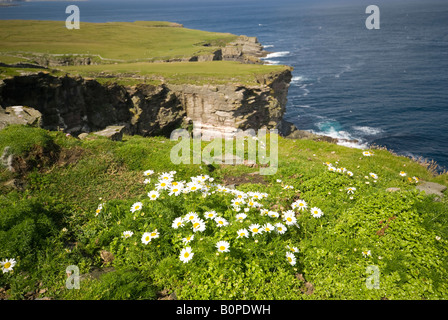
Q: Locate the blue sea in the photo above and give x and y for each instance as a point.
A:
(386, 87)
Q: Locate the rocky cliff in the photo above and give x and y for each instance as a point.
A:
(76, 105)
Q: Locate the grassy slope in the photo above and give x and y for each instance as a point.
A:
(412, 262)
(122, 41)
(126, 49)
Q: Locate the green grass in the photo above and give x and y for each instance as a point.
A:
(128, 52)
(51, 224)
(117, 41)
(218, 72)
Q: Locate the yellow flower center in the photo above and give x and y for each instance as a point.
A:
(186, 254)
(267, 229)
(196, 225)
(220, 222)
(289, 259)
(147, 238)
(175, 183)
(136, 207)
(222, 248)
(193, 188)
(242, 234)
(153, 234)
(255, 230)
(179, 224)
(7, 265)
(289, 219)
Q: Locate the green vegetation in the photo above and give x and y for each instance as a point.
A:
(73, 207)
(217, 72)
(123, 52)
(112, 41)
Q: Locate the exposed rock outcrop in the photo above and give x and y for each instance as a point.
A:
(76, 105)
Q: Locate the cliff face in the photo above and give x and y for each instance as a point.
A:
(78, 105)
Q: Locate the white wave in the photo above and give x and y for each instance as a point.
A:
(303, 106)
(268, 46)
(367, 130)
(347, 68)
(344, 138)
(296, 79)
(276, 54)
(272, 62)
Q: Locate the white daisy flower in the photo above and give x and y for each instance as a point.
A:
(146, 181)
(240, 195)
(291, 258)
(238, 202)
(316, 212)
(290, 220)
(293, 249)
(264, 212)
(280, 228)
(301, 204)
(402, 173)
(191, 216)
(242, 233)
(178, 222)
(8, 265)
(288, 187)
(331, 168)
(136, 206)
(221, 222)
(366, 253)
(167, 177)
(98, 209)
(198, 225)
(186, 255)
(127, 234)
(194, 186)
(279, 180)
(162, 185)
(273, 214)
(237, 208)
(257, 195)
(373, 175)
(223, 246)
(176, 190)
(268, 227)
(148, 173)
(188, 239)
(367, 153)
(255, 229)
(246, 209)
(153, 195)
(241, 216)
(349, 173)
(351, 190)
(210, 214)
(146, 238)
(155, 234)
(416, 179)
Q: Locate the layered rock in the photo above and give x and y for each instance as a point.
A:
(77, 105)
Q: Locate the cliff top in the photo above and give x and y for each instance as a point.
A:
(131, 51)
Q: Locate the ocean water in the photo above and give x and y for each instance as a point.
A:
(387, 87)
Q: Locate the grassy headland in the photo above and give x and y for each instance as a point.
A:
(51, 218)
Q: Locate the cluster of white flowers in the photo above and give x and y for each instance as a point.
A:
(343, 170)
